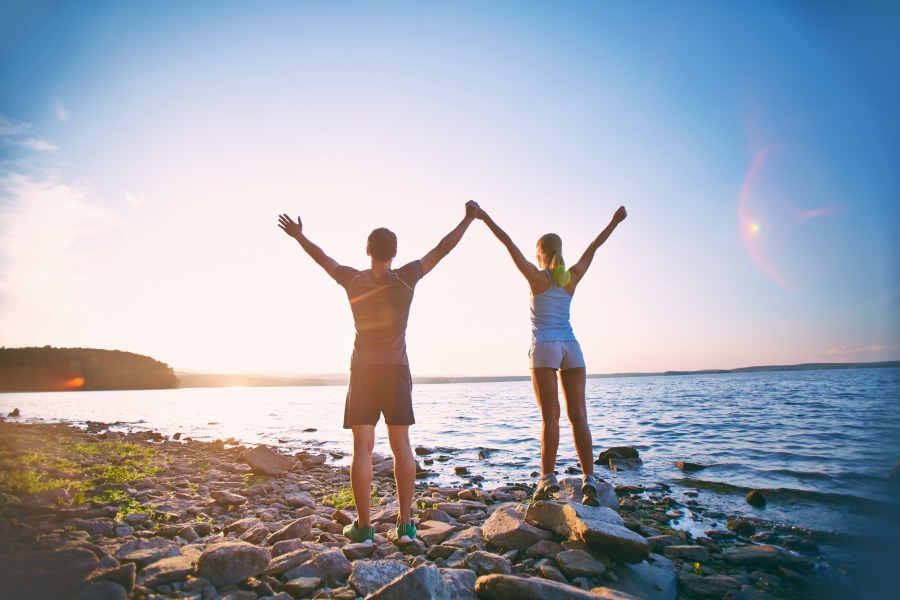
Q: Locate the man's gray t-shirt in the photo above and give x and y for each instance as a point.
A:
(380, 311)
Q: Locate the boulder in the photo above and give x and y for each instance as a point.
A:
(102, 590)
(232, 562)
(512, 587)
(467, 539)
(334, 565)
(688, 553)
(434, 532)
(146, 551)
(570, 491)
(597, 526)
(424, 581)
(165, 570)
(714, 586)
(616, 452)
(643, 580)
(287, 561)
(54, 574)
(461, 582)
(487, 563)
(369, 576)
(296, 529)
(578, 563)
(765, 556)
(506, 528)
(264, 461)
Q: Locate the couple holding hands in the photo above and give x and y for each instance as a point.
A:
(380, 380)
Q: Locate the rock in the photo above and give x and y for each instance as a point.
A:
(512, 587)
(124, 575)
(357, 551)
(544, 549)
(625, 464)
(286, 562)
(226, 498)
(424, 581)
(165, 570)
(507, 528)
(461, 582)
(570, 491)
(792, 542)
(647, 581)
(748, 592)
(434, 514)
(264, 461)
(755, 498)
(241, 525)
(300, 499)
(551, 571)
(616, 452)
(434, 532)
(369, 576)
(467, 539)
(334, 565)
(578, 563)
(53, 574)
(232, 562)
(144, 552)
(689, 466)
(461, 470)
(286, 546)
(102, 590)
(255, 535)
(598, 527)
(296, 529)
(714, 586)
(765, 556)
(659, 542)
(420, 451)
(307, 569)
(741, 526)
(687, 553)
(15, 413)
(301, 586)
(486, 563)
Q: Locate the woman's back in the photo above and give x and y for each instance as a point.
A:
(550, 315)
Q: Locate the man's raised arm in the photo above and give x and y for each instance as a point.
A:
(434, 256)
(295, 230)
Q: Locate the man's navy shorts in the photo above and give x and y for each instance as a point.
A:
(377, 389)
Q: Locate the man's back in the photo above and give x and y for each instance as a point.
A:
(380, 311)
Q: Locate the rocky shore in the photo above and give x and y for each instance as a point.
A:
(98, 514)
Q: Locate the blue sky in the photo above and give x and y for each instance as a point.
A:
(148, 147)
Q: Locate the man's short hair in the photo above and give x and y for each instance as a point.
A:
(382, 244)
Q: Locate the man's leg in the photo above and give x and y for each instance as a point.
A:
(361, 471)
(404, 468)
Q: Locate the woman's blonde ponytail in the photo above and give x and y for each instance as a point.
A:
(551, 245)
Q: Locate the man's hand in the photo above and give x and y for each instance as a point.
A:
(472, 209)
(620, 214)
(289, 227)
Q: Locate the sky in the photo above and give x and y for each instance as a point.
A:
(147, 148)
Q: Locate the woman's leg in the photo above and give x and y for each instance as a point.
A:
(546, 392)
(573, 382)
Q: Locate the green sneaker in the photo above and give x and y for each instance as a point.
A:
(406, 532)
(360, 535)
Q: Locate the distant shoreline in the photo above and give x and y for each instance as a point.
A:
(191, 379)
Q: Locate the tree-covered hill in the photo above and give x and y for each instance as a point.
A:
(51, 369)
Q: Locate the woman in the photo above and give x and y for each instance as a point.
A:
(554, 348)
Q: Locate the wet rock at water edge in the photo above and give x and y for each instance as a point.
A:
(755, 498)
(617, 452)
(689, 466)
(15, 413)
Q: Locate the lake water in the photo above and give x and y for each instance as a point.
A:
(820, 444)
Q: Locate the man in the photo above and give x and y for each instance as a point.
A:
(380, 380)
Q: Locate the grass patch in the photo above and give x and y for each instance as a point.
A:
(251, 479)
(125, 504)
(22, 482)
(343, 498)
(118, 462)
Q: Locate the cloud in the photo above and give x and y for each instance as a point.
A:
(874, 348)
(62, 113)
(9, 127)
(40, 145)
(135, 201)
(43, 229)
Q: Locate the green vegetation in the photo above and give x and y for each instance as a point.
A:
(255, 479)
(343, 498)
(126, 505)
(51, 369)
(117, 462)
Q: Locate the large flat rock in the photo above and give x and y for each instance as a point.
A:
(598, 526)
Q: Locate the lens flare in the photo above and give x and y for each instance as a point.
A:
(785, 192)
(75, 383)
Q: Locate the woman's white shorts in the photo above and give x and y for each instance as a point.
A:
(556, 355)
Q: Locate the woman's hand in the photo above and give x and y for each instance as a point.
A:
(289, 227)
(472, 209)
